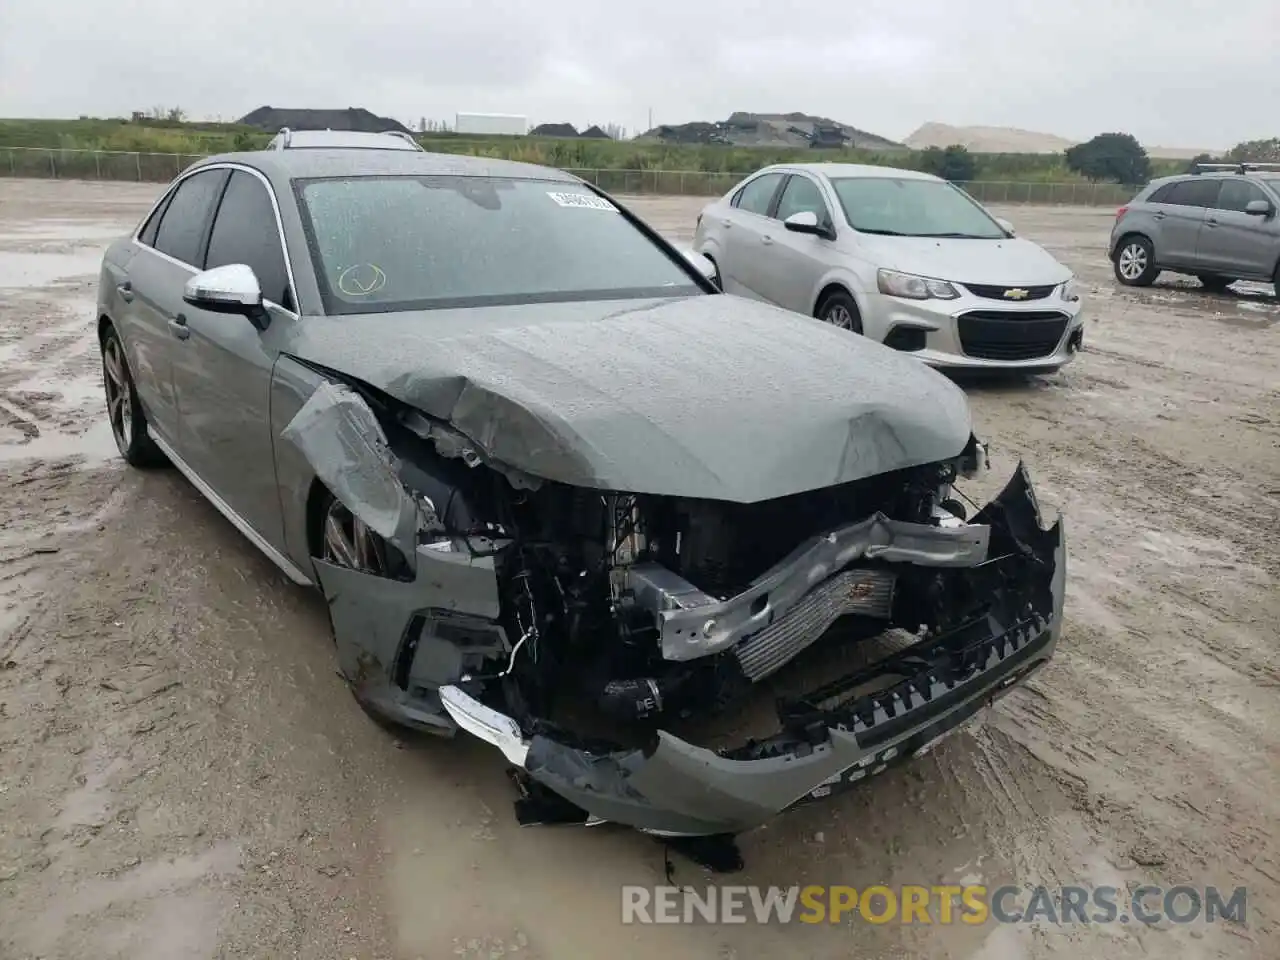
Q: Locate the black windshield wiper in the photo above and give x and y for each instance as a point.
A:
(882, 233)
(956, 236)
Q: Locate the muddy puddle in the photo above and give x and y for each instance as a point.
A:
(74, 231)
(51, 395)
(19, 270)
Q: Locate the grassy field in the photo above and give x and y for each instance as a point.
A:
(163, 137)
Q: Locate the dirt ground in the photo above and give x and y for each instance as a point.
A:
(182, 774)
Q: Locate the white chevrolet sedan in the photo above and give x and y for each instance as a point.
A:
(901, 257)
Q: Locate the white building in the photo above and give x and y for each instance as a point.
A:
(505, 123)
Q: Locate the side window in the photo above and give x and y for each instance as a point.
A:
(182, 226)
(245, 231)
(1162, 195)
(755, 196)
(147, 234)
(1200, 192)
(1238, 194)
(801, 194)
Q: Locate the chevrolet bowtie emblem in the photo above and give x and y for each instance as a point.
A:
(1016, 293)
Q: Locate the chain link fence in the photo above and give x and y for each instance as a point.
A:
(47, 163)
(705, 183)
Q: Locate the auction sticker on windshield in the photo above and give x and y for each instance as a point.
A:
(584, 201)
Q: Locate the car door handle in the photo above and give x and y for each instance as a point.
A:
(726, 224)
(126, 291)
(766, 240)
(1158, 216)
(178, 327)
(1211, 222)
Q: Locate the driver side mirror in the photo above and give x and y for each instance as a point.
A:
(806, 221)
(1259, 208)
(1006, 226)
(230, 289)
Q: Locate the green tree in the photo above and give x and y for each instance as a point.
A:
(1259, 151)
(955, 163)
(1111, 156)
(1198, 159)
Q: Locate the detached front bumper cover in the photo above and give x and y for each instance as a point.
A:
(827, 742)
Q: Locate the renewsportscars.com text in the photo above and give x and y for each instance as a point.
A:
(973, 904)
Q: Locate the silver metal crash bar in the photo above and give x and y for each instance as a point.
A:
(486, 723)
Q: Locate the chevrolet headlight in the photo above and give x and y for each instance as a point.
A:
(1071, 291)
(910, 287)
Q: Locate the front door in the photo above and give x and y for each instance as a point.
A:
(1233, 242)
(222, 368)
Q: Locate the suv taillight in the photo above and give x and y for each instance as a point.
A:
(1121, 212)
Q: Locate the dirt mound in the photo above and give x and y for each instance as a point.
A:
(1014, 140)
(797, 130)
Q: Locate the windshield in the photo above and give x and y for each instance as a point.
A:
(381, 244)
(912, 208)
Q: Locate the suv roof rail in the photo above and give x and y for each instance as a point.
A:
(1243, 167)
(284, 139)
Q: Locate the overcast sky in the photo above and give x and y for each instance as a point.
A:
(1182, 73)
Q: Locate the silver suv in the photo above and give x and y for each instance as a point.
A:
(1218, 223)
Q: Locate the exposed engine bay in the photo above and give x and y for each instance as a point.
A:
(570, 626)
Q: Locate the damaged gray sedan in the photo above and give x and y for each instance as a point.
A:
(560, 492)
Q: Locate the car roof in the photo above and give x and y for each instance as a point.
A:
(281, 166)
(844, 170)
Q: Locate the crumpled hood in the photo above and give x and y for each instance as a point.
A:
(712, 397)
(1015, 261)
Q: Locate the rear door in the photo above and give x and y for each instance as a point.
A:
(169, 247)
(222, 369)
(1234, 243)
(745, 224)
(1182, 214)
(793, 263)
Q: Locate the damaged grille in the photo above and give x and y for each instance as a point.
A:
(868, 592)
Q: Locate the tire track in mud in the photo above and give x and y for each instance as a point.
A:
(1172, 584)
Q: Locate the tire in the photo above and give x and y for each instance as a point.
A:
(1213, 283)
(1275, 281)
(839, 309)
(351, 544)
(1135, 262)
(124, 412)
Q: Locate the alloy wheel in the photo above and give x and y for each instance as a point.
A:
(348, 542)
(119, 398)
(838, 315)
(1133, 261)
